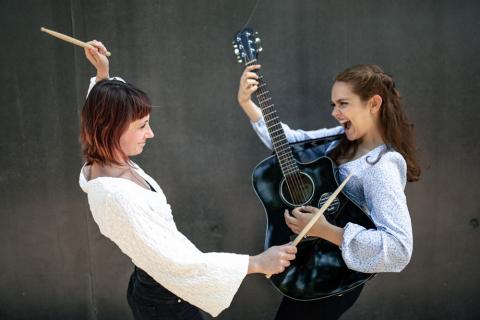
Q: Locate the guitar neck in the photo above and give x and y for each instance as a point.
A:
(277, 135)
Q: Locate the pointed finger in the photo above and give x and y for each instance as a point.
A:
(253, 67)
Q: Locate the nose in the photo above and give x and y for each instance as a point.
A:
(335, 112)
(150, 134)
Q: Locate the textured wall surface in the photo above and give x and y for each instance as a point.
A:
(54, 262)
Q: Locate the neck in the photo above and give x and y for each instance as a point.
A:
(371, 141)
(111, 170)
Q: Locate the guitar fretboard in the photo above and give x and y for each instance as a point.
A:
(277, 135)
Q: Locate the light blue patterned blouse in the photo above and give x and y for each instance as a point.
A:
(379, 189)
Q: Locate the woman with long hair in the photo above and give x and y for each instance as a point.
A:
(378, 148)
(171, 277)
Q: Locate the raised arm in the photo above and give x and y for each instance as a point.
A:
(98, 59)
(248, 85)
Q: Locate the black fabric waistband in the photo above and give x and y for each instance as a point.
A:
(147, 289)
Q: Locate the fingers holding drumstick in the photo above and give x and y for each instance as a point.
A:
(95, 53)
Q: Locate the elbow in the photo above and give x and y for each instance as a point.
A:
(393, 258)
(399, 257)
(404, 257)
(402, 260)
(404, 252)
(387, 254)
(386, 262)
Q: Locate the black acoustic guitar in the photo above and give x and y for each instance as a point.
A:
(299, 175)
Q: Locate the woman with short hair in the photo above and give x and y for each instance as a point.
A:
(171, 278)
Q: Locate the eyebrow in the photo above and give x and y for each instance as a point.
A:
(339, 100)
(144, 122)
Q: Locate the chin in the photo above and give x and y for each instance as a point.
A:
(350, 138)
(136, 153)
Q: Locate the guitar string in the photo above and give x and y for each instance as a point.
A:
(290, 186)
(293, 178)
(291, 181)
(261, 91)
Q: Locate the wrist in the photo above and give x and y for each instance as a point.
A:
(244, 102)
(332, 233)
(100, 78)
(251, 109)
(323, 229)
(253, 265)
(102, 74)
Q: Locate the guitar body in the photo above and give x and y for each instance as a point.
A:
(318, 270)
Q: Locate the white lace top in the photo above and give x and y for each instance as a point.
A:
(379, 190)
(140, 223)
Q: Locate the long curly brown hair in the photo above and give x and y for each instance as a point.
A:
(397, 131)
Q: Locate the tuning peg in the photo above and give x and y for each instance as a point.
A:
(257, 40)
(236, 51)
(260, 49)
(239, 61)
(235, 46)
(255, 33)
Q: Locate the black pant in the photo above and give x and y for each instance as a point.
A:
(324, 309)
(150, 301)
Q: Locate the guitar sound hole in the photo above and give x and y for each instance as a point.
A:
(297, 189)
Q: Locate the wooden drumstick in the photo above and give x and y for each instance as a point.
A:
(317, 215)
(70, 39)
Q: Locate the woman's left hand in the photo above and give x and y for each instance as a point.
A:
(301, 217)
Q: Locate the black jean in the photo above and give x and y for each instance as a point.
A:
(324, 309)
(148, 300)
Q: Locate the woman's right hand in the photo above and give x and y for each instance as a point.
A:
(96, 56)
(273, 260)
(248, 84)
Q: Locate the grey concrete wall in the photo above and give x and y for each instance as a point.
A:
(55, 264)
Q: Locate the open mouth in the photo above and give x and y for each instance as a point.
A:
(346, 125)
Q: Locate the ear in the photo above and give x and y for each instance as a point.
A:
(376, 103)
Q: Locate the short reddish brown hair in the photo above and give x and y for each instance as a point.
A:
(108, 111)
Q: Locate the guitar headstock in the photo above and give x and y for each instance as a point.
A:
(246, 45)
